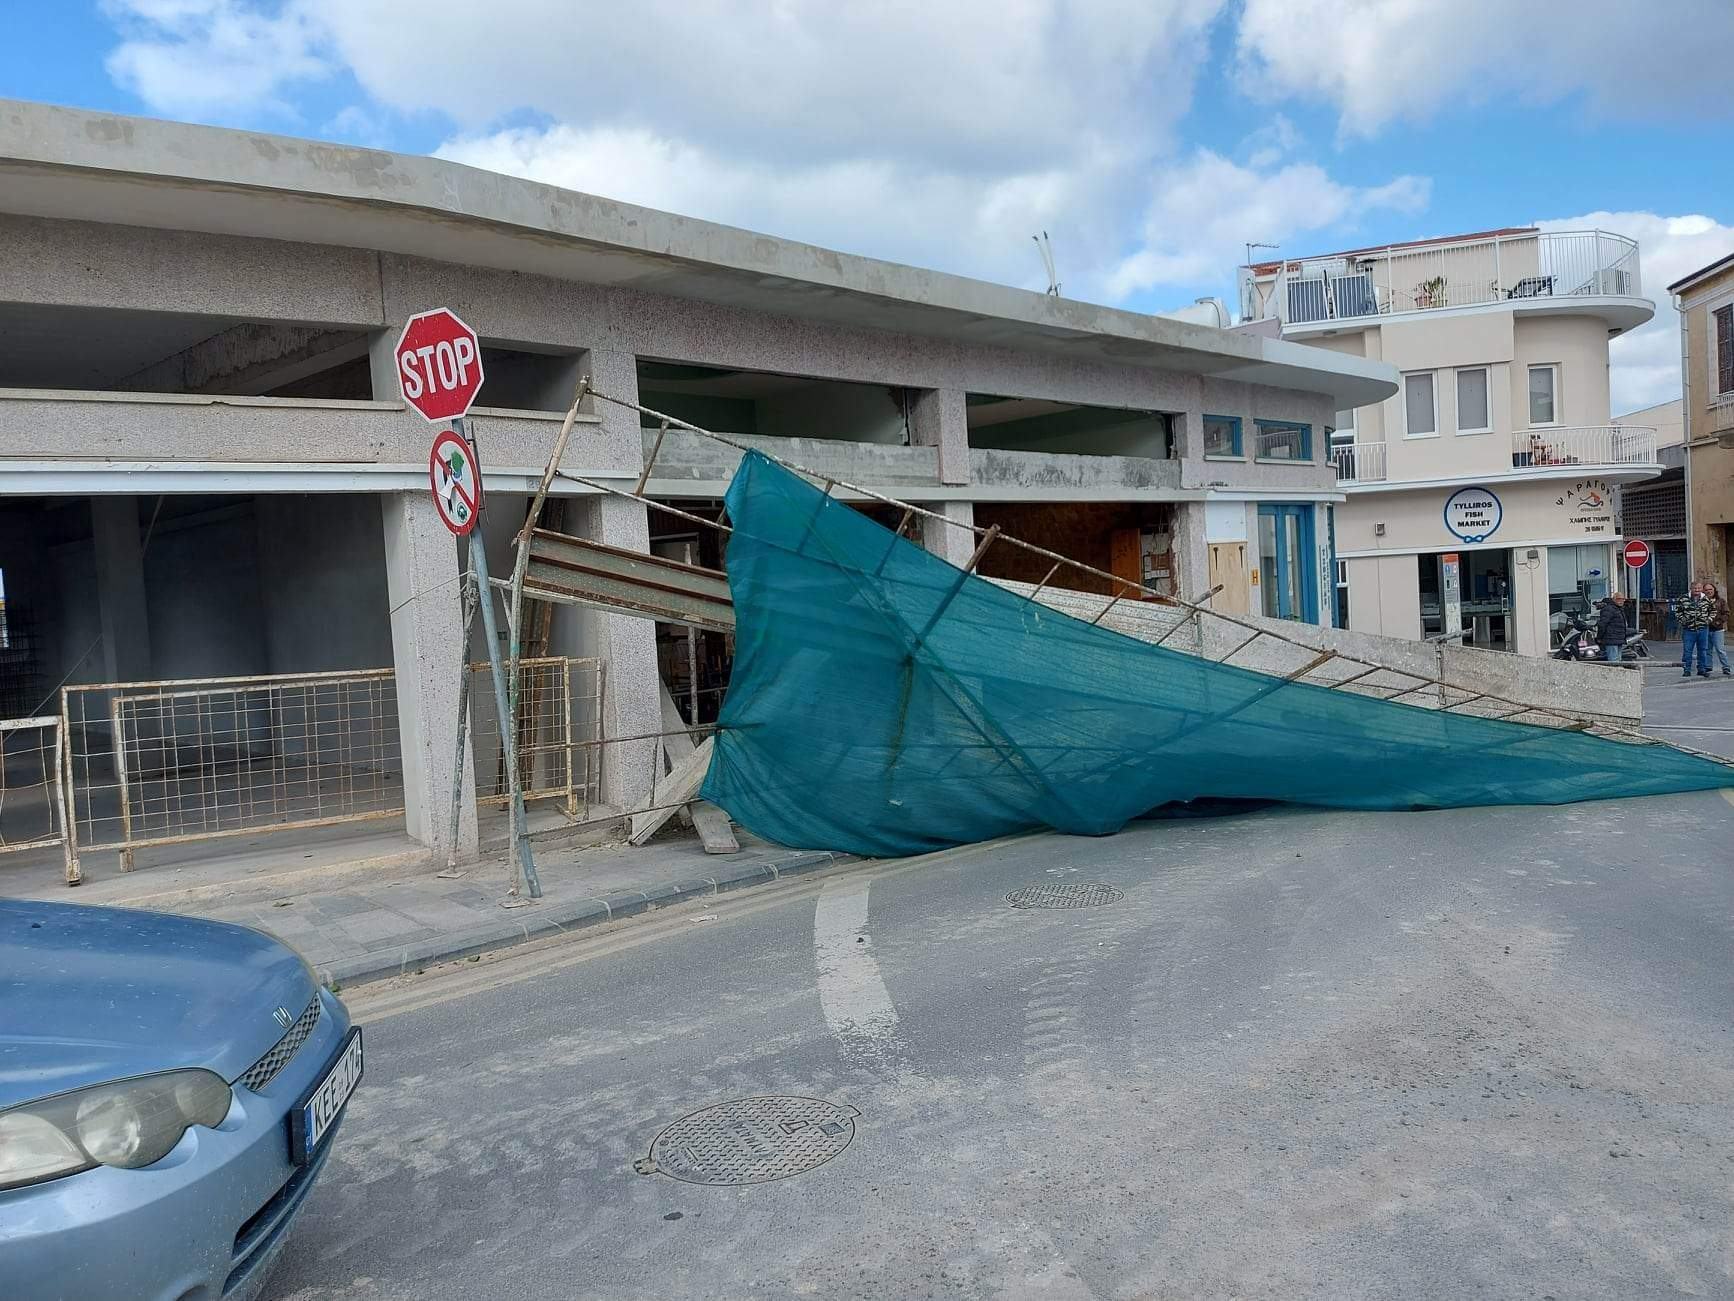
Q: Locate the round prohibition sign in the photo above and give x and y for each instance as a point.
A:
(456, 480)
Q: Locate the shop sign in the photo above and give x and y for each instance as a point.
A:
(1589, 507)
(1473, 514)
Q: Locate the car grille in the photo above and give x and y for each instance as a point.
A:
(263, 1071)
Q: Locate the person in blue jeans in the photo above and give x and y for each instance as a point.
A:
(1612, 628)
(1693, 612)
(1718, 627)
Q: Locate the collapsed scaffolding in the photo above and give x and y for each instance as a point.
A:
(556, 567)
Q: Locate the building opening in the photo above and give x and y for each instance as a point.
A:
(1485, 615)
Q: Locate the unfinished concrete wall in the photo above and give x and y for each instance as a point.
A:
(322, 578)
(859, 413)
(202, 593)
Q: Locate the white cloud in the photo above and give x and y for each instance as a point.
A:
(1644, 365)
(888, 207)
(943, 135)
(206, 58)
(1205, 210)
(1272, 142)
(1383, 60)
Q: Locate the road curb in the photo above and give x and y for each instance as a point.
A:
(539, 920)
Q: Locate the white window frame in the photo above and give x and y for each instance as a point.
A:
(1557, 402)
(1433, 377)
(1486, 398)
(1713, 377)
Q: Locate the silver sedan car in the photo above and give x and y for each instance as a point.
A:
(169, 1090)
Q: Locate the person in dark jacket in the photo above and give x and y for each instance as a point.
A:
(1611, 627)
(1718, 649)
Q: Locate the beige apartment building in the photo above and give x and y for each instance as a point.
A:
(1480, 497)
(1706, 302)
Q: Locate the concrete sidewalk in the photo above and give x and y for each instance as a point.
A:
(358, 926)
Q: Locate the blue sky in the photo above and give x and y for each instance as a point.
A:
(1151, 138)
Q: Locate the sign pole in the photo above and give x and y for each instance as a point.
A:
(522, 857)
(469, 581)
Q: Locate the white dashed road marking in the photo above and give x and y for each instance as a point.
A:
(852, 991)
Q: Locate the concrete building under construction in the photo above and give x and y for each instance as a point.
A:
(211, 485)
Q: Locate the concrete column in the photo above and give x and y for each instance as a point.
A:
(1191, 551)
(940, 419)
(617, 447)
(1188, 429)
(421, 569)
(382, 363)
(951, 544)
(1529, 592)
(626, 645)
(120, 589)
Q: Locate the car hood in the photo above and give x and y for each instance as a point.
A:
(91, 994)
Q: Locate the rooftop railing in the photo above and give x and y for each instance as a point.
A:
(1465, 273)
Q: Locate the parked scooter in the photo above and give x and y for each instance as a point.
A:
(1580, 643)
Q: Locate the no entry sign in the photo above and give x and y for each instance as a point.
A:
(439, 365)
(1637, 553)
(457, 482)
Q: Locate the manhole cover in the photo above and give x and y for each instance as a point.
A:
(751, 1141)
(1089, 895)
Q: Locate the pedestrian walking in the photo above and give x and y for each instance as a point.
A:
(1718, 630)
(1612, 628)
(1693, 612)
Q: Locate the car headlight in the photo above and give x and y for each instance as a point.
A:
(129, 1124)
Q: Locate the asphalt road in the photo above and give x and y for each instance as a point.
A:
(1460, 1054)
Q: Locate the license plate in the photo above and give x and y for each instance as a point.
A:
(309, 1122)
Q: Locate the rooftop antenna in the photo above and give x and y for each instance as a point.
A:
(1254, 245)
(1045, 246)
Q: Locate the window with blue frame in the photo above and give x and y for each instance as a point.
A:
(1222, 436)
(1284, 440)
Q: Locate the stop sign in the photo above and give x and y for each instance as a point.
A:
(439, 365)
(1637, 554)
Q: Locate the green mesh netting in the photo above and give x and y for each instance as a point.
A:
(883, 702)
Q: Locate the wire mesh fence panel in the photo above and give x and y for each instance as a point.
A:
(559, 718)
(168, 762)
(32, 797)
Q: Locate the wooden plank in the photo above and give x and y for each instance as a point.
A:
(714, 831)
(677, 788)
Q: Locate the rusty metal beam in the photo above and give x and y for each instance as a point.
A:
(576, 571)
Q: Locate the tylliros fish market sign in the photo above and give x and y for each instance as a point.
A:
(1473, 514)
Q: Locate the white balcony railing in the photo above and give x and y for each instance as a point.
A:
(1359, 462)
(1533, 449)
(1462, 273)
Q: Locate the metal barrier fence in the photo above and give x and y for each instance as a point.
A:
(140, 764)
(559, 721)
(164, 763)
(32, 789)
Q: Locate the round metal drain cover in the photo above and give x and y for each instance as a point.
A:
(1089, 895)
(752, 1140)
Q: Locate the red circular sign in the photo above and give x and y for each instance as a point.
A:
(1637, 553)
(457, 482)
(439, 365)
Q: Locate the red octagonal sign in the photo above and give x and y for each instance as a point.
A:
(439, 365)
